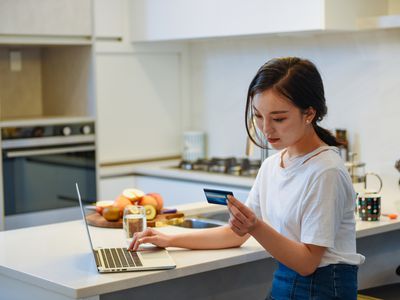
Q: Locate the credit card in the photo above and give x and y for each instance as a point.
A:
(217, 196)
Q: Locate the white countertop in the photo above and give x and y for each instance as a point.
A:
(169, 169)
(57, 257)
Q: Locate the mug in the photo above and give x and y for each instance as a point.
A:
(369, 206)
(360, 183)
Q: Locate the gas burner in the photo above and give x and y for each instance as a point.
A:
(231, 165)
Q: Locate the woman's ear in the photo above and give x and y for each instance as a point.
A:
(310, 114)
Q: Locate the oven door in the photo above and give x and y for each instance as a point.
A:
(39, 179)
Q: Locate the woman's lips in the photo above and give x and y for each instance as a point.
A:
(271, 140)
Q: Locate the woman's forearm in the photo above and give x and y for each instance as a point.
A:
(211, 238)
(295, 255)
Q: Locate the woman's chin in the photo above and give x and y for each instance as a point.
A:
(277, 146)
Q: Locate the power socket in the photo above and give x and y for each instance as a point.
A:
(15, 61)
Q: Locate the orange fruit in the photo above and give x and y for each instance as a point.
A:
(133, 194)
(148, 200)
(121, 202)
(159, 199)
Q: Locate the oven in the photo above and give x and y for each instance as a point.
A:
(40, 167)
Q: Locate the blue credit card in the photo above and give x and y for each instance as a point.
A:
(217, 196)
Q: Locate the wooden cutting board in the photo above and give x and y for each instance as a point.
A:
(95, 219)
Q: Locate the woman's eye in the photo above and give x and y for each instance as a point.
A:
(279, 120)
(257, 116)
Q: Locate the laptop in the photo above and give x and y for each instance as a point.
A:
(121, 260)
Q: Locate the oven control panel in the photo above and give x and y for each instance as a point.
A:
(62, 130)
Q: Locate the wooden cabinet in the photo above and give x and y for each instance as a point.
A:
(157, 20)
(138, 106)
(46, 17)
(50, 82)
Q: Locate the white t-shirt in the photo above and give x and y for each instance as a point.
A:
(311, 201)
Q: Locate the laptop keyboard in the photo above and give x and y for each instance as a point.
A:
(120, 258)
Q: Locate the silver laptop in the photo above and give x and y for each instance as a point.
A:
(121, 260)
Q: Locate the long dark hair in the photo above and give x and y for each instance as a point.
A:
(297, 80)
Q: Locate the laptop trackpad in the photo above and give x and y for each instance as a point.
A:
(152, 255)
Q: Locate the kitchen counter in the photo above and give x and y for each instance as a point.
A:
(169, 169)
(54, 261)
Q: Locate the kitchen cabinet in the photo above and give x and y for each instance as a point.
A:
(158, 20)
(177, 192)
(51, 18)
(111, 187)
(139, 107)
(50, 82)
(109, 19)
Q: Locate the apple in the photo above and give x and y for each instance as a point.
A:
(159, 199)
(100, 205)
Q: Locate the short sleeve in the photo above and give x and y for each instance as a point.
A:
(253, 199)
(323, 208)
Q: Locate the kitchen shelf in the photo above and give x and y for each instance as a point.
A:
(51, 81)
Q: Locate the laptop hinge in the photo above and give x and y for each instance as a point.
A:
(97, 258)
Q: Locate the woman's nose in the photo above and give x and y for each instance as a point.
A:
(267, 128)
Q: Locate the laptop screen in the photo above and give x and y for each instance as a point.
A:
(84, 215)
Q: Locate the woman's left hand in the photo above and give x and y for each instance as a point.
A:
(242, 219)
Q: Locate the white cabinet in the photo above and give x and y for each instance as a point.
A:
(138, 106)
(46, 17)
(111, 187)
(176, 192)
(109, 18)
(157, 20)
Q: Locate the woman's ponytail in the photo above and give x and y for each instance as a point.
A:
(326, 136)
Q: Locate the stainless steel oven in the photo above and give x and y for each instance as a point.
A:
(40, 167)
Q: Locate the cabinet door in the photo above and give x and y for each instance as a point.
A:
(176, 192)
(156, 20)
(110, 188)
(138, 106)
(46, 17)
(109, 18)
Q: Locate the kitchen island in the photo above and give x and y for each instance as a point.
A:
(54, 262)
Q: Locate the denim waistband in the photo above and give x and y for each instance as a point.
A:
(328, 268)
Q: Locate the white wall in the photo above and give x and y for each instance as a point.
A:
(362, 84)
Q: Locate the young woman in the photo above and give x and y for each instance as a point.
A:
(301, 207)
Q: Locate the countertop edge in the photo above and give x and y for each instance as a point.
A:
(172, 273)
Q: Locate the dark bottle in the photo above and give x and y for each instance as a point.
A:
(341, 136)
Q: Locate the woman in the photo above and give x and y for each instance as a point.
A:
(301, 207)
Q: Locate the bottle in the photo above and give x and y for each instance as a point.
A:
(341, 136)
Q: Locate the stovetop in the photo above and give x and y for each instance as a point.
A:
(230, 165)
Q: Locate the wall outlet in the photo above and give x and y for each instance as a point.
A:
(15, 61)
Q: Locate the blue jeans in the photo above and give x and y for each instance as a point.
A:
(337, 281)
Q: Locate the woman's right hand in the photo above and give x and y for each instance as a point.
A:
(152, 236)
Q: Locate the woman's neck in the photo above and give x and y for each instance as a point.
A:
(308, 143)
